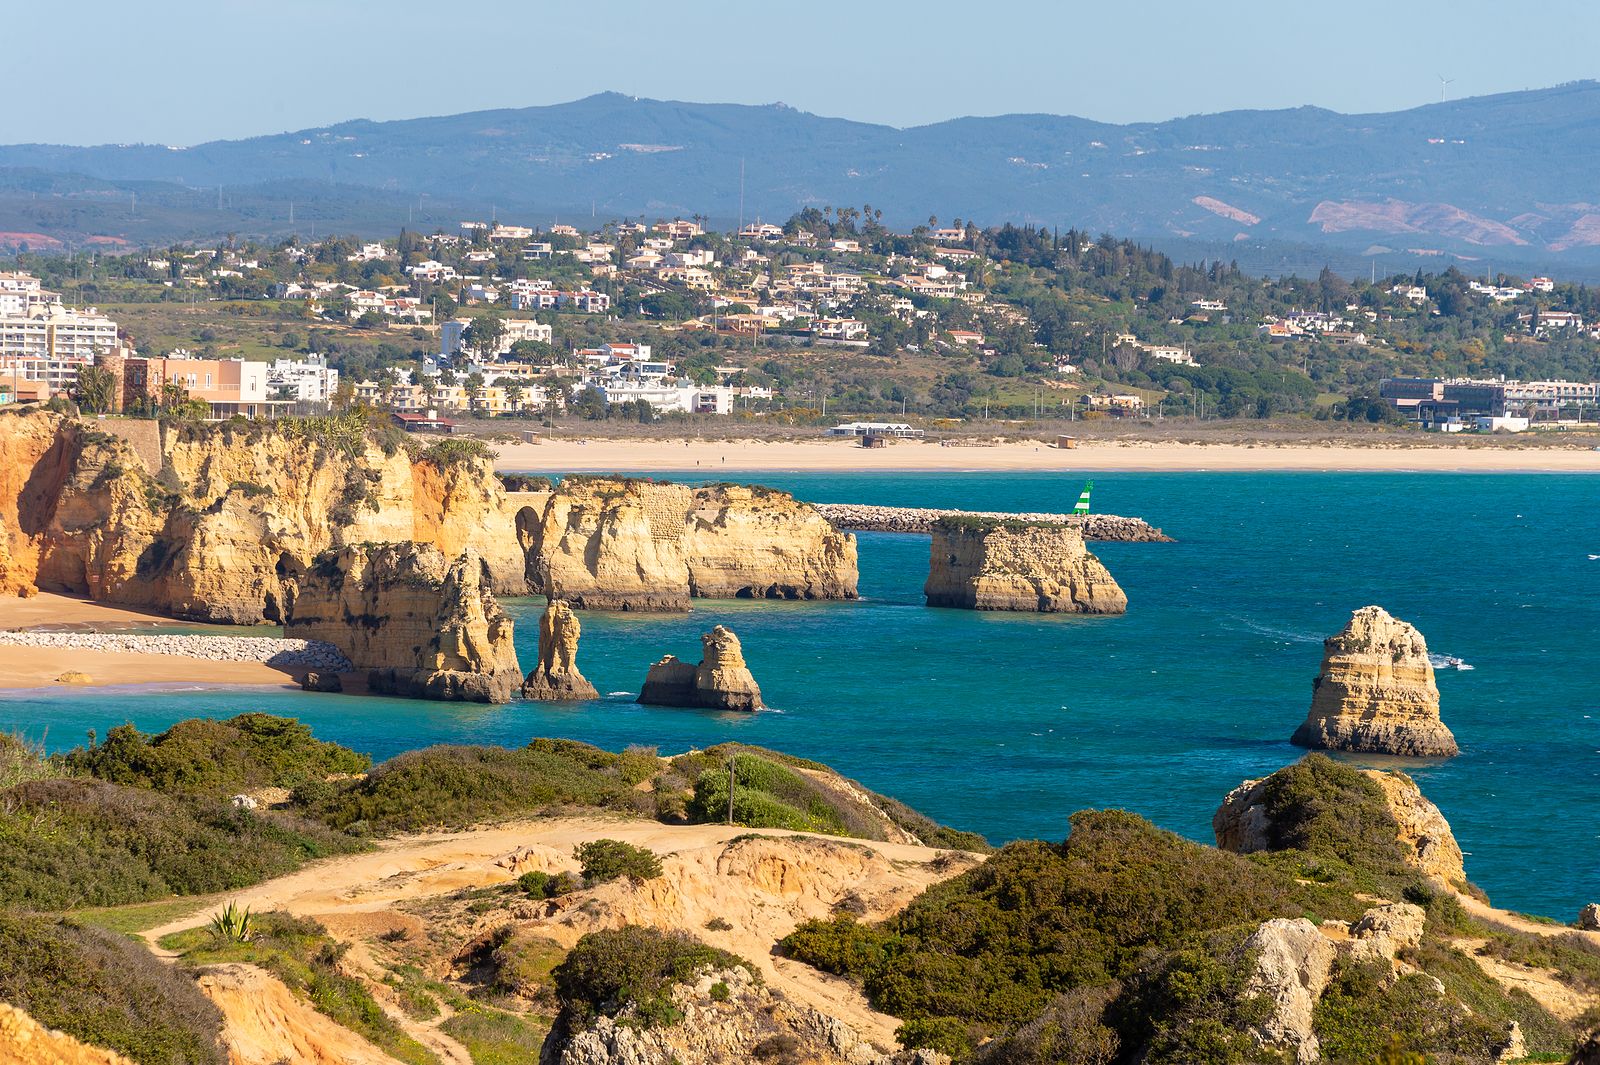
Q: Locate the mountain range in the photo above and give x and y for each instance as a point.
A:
(1507, 179)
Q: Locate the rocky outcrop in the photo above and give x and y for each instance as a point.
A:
(556, 677)
(1293, 965)
(1243, 825)
(419, 625)
(979, 564)
(721, 681)
(1589, 918)
(1376, 693)
(624, 544)
(221, 530)
(740, 1021)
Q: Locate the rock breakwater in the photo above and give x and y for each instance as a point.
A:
(280, 654)
(861, 517)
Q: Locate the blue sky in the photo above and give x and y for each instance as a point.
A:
(183, 71)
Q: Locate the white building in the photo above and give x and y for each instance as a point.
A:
(49, 330)
(310, 380)
(452, 335)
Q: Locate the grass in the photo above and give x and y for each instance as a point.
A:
(138, 917)
(497, 1037)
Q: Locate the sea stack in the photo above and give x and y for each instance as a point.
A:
(419, 624)
(992, 564)
(556, 677)
(721, 681)
(1376, 692)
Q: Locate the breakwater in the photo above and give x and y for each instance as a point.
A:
(280, 654)
(1106, 527)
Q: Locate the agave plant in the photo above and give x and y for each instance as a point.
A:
(232, 924)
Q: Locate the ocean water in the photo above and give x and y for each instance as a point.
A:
(1006, 724)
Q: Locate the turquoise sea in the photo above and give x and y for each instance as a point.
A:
(1007, 724)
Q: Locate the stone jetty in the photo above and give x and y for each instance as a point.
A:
(861, 517)
(292, 655)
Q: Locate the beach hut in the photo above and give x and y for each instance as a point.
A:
(1066, 441)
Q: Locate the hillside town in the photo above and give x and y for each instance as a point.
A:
(675, 319)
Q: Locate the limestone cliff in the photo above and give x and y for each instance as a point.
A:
(989, 565)
(1376, 692)
(221, 530)
(624, 544)
(24, 1040)
(556, 677)
(1243, 825)
(420, 625)
(721, 681)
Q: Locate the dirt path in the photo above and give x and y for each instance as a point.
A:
(760, 890)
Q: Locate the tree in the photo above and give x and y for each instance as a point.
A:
(484, 335)
(475, 385)
(96, 391)
(514, 394)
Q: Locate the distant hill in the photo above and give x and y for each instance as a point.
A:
(1508, 178)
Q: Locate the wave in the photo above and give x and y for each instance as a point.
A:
(1291, 635)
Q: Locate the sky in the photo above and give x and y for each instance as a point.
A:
(186, 71)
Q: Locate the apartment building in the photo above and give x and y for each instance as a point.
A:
(52, 331)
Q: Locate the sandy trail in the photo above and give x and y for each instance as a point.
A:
(708, 457)
(764, 901)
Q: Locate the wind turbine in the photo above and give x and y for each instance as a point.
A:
(1444, 83)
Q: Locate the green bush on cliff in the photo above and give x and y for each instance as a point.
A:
(74, 842)
(1364, 1012)
(611, 859)
(633, 968)
(459, 786)
(218, 758)
(994, 947)
(106, 991)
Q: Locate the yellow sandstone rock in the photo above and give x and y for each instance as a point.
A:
(624, 544)
(420, 626)
(992, 565)
(721, 681)
(1376, 692)
(556, 677)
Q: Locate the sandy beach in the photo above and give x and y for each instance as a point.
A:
(38, 667)
(1090, 456)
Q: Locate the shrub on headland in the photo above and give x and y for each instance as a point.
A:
(106, 991)
(633, 969)
(459, 786)
(75, 842)
(207, 757)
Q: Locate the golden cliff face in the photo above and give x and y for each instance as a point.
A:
(418, 623)
(1376, 692)
(614, 544)
(235, 512)
(1042, 568)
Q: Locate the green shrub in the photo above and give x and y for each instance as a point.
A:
(522, 964)
(220, 758)
(720, 992)
(107, 991)
(460, 786)
(995, 946)
(22, 761)
(541, 885)
(1332, 811)
(1070, 1031)
(609, 859)
(74, 842)
(633, 969)
(1364, 1013)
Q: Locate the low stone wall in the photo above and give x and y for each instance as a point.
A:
(1104, 527)
(280, 654)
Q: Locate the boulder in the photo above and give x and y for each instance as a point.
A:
(315, 681)
(73, 676)
(556, 677)
(1242, 825)
(1293, 964)
(983, 564)
(1376, 692)
(419, 625)
(1589, 918)
(721, 681)
(1384, 931)
(625, 544)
